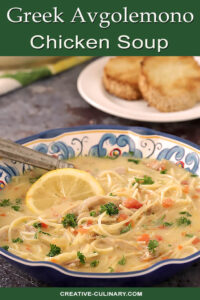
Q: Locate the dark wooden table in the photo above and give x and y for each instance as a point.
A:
(53, 103)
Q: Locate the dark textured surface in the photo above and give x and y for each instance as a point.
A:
(54, 103)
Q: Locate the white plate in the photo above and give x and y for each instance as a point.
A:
(91, 89)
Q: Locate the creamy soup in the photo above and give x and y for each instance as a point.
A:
(149, 212)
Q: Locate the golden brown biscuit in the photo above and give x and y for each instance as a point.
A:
(121, 76)
(170, 83)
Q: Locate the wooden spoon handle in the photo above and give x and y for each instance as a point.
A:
(17, 152)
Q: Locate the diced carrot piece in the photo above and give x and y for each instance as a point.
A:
(44, 225)
(89, 222)
(180, 247)
(130, 222)
(144, 238)
(165, 257)
(195, 197)
(168, 202)
(122, 217)
(162, 227)
(198, 190)
(159, 238)
(132, 203)
(196, 241)
(75, 232)
(183, 233)
(28, 248)
(82, 230)
(184, 182)
(53, 260)
(162, 167)
(186, 189)
(3, 215)
(156, 165)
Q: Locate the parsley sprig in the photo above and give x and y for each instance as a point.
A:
(145, 180)
(5, 202)
(183, 221)
(163, 171)
(38, 226)
(135, 161)
(5, 247)
(160, 222)
(94, 263)
(93, 213)
(185, 213)
(126, 228)
(81, 257)
(54, 250)
(69, 220)
(122, 261)
(17, 240)
(110, 209)
(152, 245)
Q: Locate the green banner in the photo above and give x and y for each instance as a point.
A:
(76, 27)
(100, 293)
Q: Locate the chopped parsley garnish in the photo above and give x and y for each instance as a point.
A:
(111, 269)
(144, 180)
(38, 226)
(36, 235)
(135, 161)
(5, 247)
(93, 213)
(163, 171)
(54, 250)
(112, 195)
(81, 257)
(111, 157)
(167, 224)
(17, 240)
(94, 263)
(44, 232)
(194, 175)
(152, 245)
(161, 222)
(189, 235)
(40, 231)
(34, 179)
(122, 261)
(182, 221)
(110, 208)
(169, 245)
(69, 220)
(18, 201)
(5, 202)
(15, 207)
(185, 213)
(126, 229)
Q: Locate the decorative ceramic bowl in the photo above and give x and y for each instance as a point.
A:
(100, 141)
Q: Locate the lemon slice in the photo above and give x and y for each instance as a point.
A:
(56, 187)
